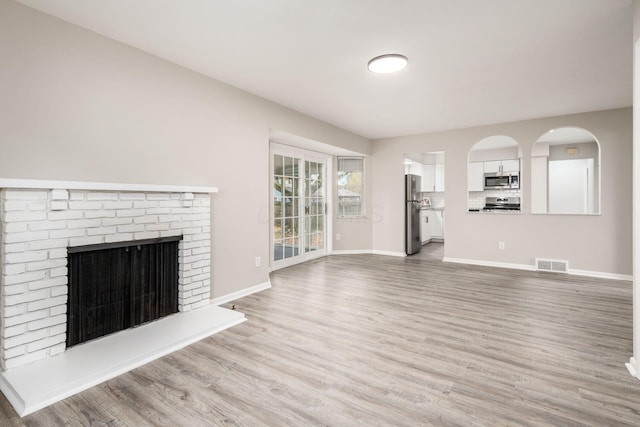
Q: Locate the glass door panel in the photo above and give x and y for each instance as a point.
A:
(286, 210)
(314, 206)
(298, 207)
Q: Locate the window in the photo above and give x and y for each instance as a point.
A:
(350, 187)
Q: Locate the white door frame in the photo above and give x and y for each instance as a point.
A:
(305, 155)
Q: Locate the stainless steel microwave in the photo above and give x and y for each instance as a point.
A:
(501, 181)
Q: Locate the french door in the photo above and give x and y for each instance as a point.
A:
(299, 205)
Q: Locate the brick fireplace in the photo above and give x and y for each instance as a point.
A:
(40, 223)
(40, 220)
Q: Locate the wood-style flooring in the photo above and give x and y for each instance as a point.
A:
(376, 340)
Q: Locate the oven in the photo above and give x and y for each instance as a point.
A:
(496, 204)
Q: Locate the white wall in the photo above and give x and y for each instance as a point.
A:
(78, 106)
(599, 243)
(494, 154)
(587, 150)
(633, 361)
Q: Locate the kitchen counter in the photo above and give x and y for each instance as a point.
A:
(495, 211)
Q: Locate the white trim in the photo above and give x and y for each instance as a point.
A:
(352, 252)
(635, 236)
(632, 367)
(101, 186)
(296, 141)
(328, 218)
(490, 263)
(363, 252)
(369, 252)
(241, 293)
(303, 155)
(600, 274)
(389, 253)
(39, 384)
(527, 267)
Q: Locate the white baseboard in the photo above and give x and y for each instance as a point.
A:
(389, 253)
(368, 252)
(352, 252)
(632, 367)
(600, 274)
(490, 263)
(434, 240)
(241, 293)
(527, 267)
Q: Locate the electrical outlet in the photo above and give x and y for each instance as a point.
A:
(258, 261)
(500, 245)
(337, 236)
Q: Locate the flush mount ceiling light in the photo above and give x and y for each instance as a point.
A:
(389, 63)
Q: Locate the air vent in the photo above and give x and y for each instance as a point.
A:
(554, 265)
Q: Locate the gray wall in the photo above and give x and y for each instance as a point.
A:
(599, 243)
(78, 106)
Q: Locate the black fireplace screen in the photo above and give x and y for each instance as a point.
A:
(117, 286)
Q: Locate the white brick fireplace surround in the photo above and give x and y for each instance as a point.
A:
(39, 220)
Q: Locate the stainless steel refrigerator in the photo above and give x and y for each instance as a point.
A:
(412, 239)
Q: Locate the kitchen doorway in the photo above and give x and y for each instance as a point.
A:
(427, 171)
(299, 205)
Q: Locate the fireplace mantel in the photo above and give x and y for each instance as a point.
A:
(101, 186)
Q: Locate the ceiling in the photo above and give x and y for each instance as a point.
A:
(471, 62)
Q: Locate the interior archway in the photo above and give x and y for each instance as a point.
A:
(565, 172)
(493, 175)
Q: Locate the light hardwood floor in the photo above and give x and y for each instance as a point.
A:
(433, 251)
(374, 340)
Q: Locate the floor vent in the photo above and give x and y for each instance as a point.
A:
(552, 265)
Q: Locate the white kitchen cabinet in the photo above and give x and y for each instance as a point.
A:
(492, 166)
(431, 225)
(439, 177)
(424, 226)
(511, 166)
(433, 177)
(414, 168)
(475, 176)
(436, 224)
(507, 166)
(428, 178)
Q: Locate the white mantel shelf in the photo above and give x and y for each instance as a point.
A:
(100, 186)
